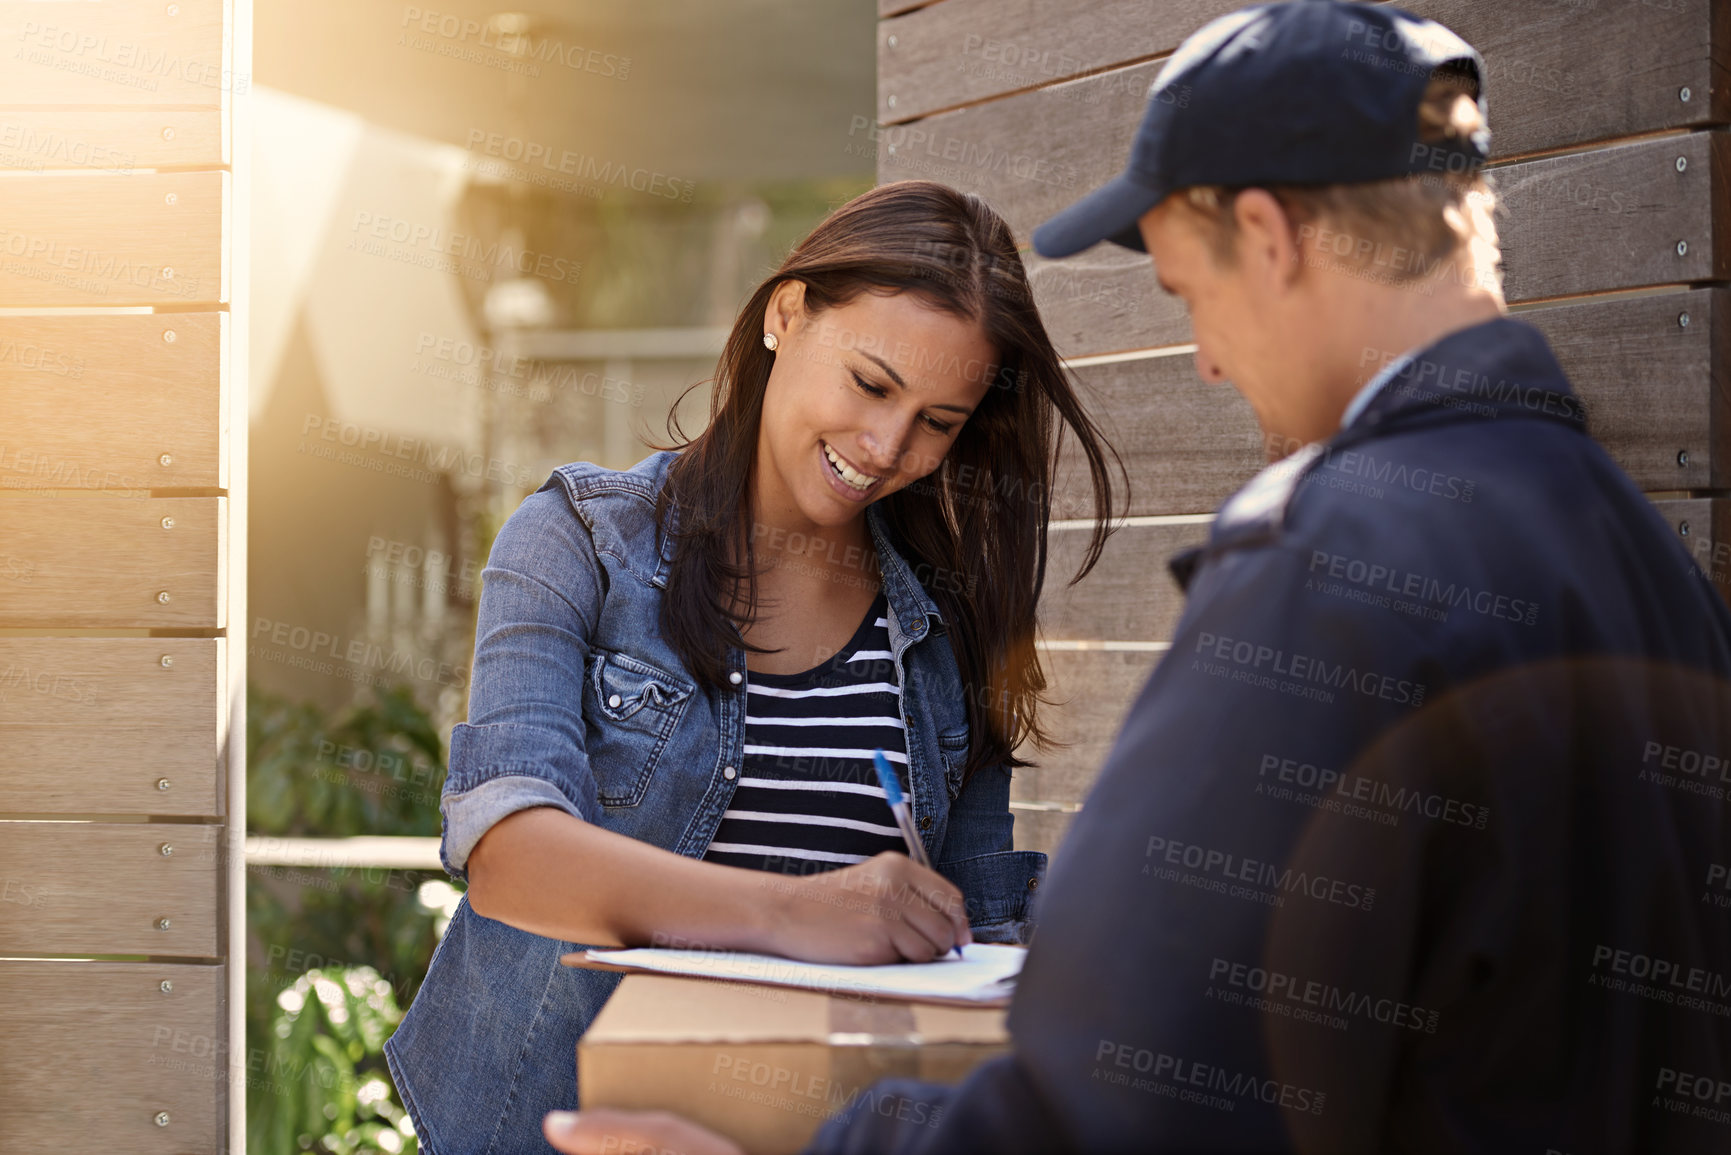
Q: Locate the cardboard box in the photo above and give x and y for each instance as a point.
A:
(765, 1065)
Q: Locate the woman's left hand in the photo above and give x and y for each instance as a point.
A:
(632, 1133)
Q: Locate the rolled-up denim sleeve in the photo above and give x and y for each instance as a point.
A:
(523, 743)
(999, 883)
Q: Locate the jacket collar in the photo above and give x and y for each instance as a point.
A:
(1496, 369)
(913, 606)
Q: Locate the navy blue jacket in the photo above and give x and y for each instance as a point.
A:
(1416, 839)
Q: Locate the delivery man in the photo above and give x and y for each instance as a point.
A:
(1416, 840)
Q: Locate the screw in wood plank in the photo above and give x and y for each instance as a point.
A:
(162, 597)
(891, 100)
(168, 133)
(1682, 248)
(162, 1118)
(1682, 320)
(892, 40)
(1684, 94)
(1683, 528)
(166, 459)
(167, 987)
(1682, 459)
(1682, 164)
(162, 924)
(168, 661)
(166, 850)
(169, 336)
(162, 784)
(168, 523)
(171, 199)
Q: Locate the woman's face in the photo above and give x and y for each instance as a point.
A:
(862, 400)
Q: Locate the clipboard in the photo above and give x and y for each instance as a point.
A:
(988, 982)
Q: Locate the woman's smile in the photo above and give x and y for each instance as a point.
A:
(850, 482)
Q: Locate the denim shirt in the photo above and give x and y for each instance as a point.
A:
(576, 702)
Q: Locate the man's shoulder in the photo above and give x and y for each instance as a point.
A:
(1459, 532)
(1437, 487)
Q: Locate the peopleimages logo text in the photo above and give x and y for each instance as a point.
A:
(1305, 668)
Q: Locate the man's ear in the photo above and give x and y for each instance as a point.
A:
(1267, 245)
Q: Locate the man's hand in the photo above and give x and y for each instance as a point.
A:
(607, 1132)
(882, 910)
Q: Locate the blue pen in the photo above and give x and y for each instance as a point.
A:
(904, 816)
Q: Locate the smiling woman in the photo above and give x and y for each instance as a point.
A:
(896, 356)
(683, 670)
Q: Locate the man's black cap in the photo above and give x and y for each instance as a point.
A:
(1301, 92)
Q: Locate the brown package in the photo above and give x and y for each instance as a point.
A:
(767, 1065)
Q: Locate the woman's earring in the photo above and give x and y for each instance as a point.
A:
(769, 342)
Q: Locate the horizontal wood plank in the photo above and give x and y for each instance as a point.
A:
(1105, 300)
(102, 888)
(110, 239)
(96, 725)
(1129, 596)
(128, 52)
(111, 560)
(100, 402)
(1655, 212)
(96, 1050)
(1656, 392)
(1186, 445)
(1042, 830)
(965, 51)
(110, 140)
(1655, 374)
(1557, 74)
(1704, 524)
(1090, 692)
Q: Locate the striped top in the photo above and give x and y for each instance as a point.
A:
(808, 797)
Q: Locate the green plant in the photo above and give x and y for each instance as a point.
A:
(374, 769)
(336, 954)
(317, 1090)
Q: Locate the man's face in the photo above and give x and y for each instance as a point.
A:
(1240, 311)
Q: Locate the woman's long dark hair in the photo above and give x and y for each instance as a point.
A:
(981, 514)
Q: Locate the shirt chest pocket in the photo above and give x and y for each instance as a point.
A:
(953, 751)
(631, 709)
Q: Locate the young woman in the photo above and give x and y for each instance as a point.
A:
(682, 669)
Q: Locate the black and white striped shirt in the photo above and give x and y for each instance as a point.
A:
(808, 797)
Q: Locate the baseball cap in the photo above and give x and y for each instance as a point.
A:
(1299, 92)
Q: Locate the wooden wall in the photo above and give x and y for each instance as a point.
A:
(122, 568)
(1613, 165)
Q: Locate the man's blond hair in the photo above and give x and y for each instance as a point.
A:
(1406, 228)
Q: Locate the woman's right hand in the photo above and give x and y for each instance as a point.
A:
(883, 910)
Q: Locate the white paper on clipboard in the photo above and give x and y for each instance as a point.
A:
(986, 972)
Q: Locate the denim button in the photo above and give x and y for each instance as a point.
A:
(614, 701)
(728, 773)
(736, 677)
